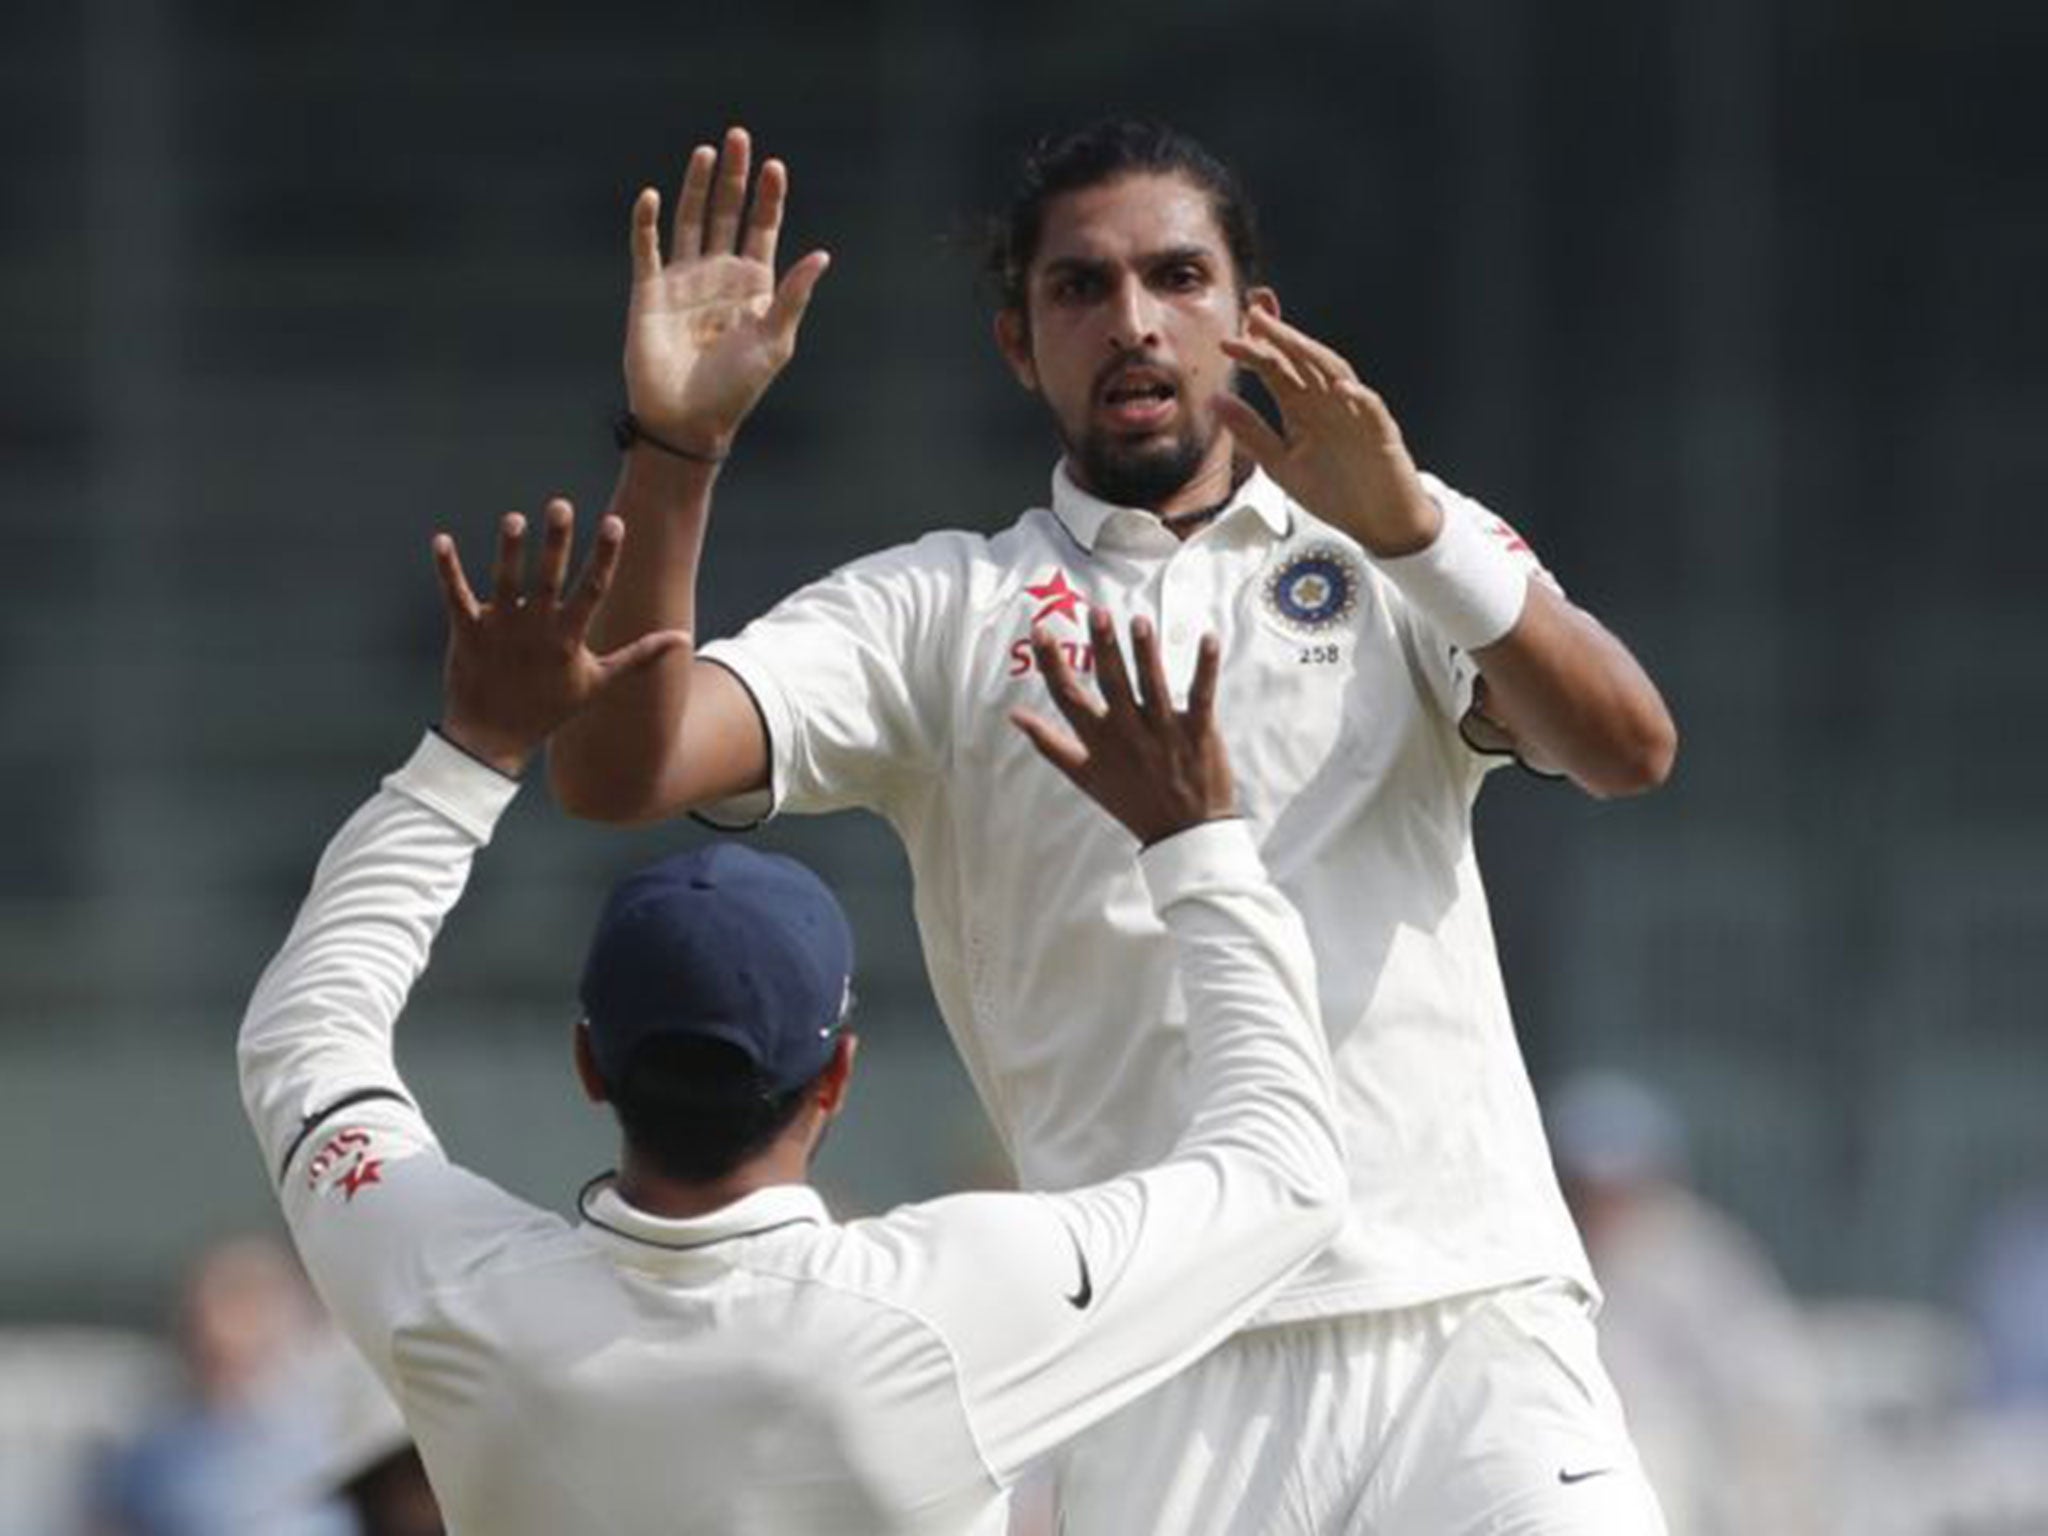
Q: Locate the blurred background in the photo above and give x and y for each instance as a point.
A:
(1732, 307)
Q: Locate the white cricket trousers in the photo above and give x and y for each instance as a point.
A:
(1482, 1415)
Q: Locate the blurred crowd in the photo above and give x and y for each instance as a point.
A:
(255, 1420)
(1758, 1411)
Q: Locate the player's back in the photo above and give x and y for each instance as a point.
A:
(610, 1382)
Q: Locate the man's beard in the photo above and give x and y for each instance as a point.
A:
(1137, 474)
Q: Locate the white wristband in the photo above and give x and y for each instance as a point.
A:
(1465, 581)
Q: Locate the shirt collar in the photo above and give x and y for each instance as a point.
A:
(777, 1205)
(1086, 517)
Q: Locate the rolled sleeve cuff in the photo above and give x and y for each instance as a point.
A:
(448, 781)
(778, 723)
(1210, 856)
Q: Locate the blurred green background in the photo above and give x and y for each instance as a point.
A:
(1733, 307)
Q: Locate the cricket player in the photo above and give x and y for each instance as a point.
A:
(705, 1350)
(1386, 640)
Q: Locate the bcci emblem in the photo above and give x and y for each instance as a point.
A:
(1316, 589)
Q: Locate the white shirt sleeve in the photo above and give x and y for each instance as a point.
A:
(372, 1203)
(834, 669)
(1062, 1308)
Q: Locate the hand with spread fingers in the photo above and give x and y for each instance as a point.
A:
(709, 328)
(1340, 453)
(517, 665)
(1156, 769)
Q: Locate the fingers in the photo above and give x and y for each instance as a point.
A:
(1110, 675)
(1301, 347)
(558, 522)
(1158, 699)
(455, 591)
(1275, 368)
(793, 293)
(764, 224)
(645, 238)
(729, 193)
(1202, 691)
(1053, 744)
(598, 569)
(1251, 430)
(709, 218)
(688, 242)
(1068, 696)
(511, 558)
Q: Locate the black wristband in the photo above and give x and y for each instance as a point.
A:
(626, 431)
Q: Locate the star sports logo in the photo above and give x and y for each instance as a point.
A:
(1053, 598)
(352, 1148)
(1057, 599)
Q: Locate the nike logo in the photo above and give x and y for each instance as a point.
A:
(1079, 1299)
(1564, 1476)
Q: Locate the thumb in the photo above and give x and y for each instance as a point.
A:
(793, 293)
(638, 655)
(1053, 744)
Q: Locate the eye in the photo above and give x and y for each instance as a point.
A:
(1184, 276)
(1074, 287)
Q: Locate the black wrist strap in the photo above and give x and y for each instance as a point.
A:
(626, 431)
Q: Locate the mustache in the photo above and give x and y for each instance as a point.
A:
(1118, 368)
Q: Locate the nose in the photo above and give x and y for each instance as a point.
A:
(1133, 318)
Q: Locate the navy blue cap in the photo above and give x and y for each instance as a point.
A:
(721, 943)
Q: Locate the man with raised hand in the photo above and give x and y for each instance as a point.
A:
(1385, 641)
(705, 1350)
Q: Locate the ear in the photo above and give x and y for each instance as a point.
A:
(586, 1064)
(1013, 340)
(1264, 300)
(837, 1074)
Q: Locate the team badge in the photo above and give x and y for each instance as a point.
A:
(1316, 589)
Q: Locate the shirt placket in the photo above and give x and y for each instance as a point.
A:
(1194, 594)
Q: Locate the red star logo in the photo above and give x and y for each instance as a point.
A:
(365, 1172)
(1057, 598)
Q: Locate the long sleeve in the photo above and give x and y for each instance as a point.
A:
(1062, 1308)
(318, 1029)
(372, 1204)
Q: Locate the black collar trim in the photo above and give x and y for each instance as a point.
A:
(583, 1207)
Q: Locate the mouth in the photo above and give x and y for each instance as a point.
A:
(1137, 398)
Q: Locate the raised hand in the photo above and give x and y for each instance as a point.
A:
(517, 665)
(1156, 769)
(708, 329)
(1341, 455)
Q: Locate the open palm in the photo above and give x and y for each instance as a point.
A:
(709, 328)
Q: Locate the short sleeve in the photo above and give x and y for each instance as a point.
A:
(845, 673)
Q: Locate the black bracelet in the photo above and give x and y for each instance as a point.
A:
(626, 431)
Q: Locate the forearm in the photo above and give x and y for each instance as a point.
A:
(1573, 698)
(1564, 693)
(1171, 1259)
(319, 1025)
(615, 760)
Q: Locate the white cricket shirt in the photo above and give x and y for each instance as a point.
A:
(763, 1369)
(886, 685)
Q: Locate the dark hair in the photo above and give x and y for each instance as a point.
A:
(1100, 153)
(697, 1108)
